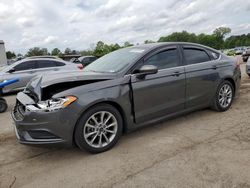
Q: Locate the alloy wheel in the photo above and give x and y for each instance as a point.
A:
(100, 129)
(225, 95)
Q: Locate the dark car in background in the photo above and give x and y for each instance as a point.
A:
(84, 60)
(246, 54)
(124, 90)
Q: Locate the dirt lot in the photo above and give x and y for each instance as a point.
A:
(202, 149)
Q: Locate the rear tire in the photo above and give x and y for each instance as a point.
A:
(99, 129)
(3, 105)
(224, 96)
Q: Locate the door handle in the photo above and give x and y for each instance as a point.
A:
(177, 73)
(214, 67)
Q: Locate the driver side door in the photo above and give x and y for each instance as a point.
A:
(158, 95)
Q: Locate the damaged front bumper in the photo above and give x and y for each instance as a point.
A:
(39, 127)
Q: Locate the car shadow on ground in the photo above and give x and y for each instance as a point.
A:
(56, 153)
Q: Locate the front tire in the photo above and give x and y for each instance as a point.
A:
(99, 128)
(224, 96)
(3, 105)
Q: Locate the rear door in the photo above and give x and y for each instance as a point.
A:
(163, 93)
(46, 66)
(202, 75)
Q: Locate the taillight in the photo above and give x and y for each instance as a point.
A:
(238, 62)
(80, 66)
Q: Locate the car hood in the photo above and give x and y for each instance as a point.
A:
(51, 79)
(52, 83)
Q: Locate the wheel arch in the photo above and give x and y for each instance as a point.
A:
(112, 103)
(231, 80)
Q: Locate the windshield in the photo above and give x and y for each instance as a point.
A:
(115, 61)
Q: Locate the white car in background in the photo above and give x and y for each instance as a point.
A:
(26, 69)
(248, 67)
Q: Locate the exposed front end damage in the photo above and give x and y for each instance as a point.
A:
(39, 116)
(47, 113)
(51, 90)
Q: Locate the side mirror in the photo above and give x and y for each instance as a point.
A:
(147, 69)
(11, 70)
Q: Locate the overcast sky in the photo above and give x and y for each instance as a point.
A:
(79, 24)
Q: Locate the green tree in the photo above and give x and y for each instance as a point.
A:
(75, 52)
(183, 36)
(67, 51)
(148, 41)
(101, 49)
(36, 51)
(114, 47)
(221, 32)
(127, 44)
(10, 55)
(55, 52)
(208, 40)
(86, 52)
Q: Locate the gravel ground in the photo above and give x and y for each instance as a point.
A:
(202, 149)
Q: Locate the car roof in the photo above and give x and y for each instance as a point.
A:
(47, 57)
(161, 44)
(42, 58)
(87, 56)
(37, 59)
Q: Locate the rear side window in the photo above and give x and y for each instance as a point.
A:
(213, 55)
(27, 65)
(46, 63)
(92, 59)
(165, 59)
(59, 64)
(86, 60)
(193, 55)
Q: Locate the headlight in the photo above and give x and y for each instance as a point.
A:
(55, 104)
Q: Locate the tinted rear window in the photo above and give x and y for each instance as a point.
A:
(193, 55)
(59, 64)
(213, 55)
(46, 63)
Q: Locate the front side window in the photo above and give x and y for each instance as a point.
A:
(27, 65)
(194, 56)
(165, 59)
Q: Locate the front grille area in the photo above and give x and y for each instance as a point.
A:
(19, 111)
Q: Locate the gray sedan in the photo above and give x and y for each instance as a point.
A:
(124, 90)
(26, 69)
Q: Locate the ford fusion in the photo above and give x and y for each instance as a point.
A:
(126, 89)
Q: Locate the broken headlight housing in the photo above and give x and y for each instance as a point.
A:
(56, 104)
